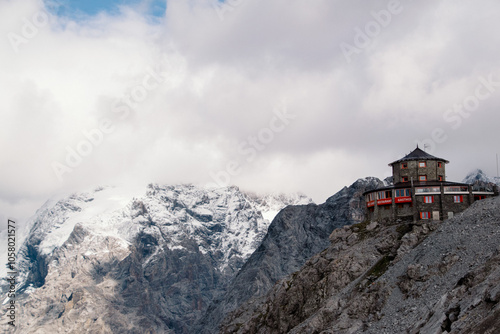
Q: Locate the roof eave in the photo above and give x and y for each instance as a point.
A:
(418, 159)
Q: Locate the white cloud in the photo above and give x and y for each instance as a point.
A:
(221, 81)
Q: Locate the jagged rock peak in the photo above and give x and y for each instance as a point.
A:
(479, 175)
(136, 259)
(296, 234)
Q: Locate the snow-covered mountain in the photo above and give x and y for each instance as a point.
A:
(296, 234)
(156, 255)
(479, 175)
(270, 204)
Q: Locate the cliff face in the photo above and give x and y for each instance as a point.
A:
(423, 278)
(142, 261)
(296, 234)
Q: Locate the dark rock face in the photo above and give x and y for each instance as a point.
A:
(358, 253)
(34, 263)
(170, 292)
(296, 234)
(423, 278)
(151, 261)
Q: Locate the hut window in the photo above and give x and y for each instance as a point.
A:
(425, 215)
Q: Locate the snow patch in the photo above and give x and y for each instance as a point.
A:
(224, 223)
(97, 214)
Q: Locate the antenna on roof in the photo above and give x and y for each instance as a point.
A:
(425, 146)
(497, 165)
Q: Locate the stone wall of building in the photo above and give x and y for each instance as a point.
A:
(444, 204)
(381, 213)
(391, 212)
(429, 207)
(432, 170)
(404, 210)
(450, 206)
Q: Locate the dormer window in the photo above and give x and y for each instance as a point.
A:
(422, 164)
(404, 165)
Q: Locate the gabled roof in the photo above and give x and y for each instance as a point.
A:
(418, 154)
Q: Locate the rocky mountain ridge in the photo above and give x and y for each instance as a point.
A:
(141, 260)
(478, 175)
(296, 234)
(426, 278)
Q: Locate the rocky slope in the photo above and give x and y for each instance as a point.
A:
(423, 278)
(296, 234)
(150, 260)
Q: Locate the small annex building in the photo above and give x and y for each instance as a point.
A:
(420, 191)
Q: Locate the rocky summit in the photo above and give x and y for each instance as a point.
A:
(426, 277)
(148, 260)
(296, 234)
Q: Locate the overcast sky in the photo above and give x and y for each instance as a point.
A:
(269, 95)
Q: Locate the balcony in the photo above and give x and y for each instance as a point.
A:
(456, 190)
(427, 190)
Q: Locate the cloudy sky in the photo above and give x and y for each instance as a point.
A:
(269, 95)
